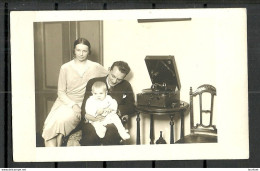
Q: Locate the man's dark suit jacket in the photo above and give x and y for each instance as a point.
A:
(121, 92)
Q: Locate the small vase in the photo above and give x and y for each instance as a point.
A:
(160, 140)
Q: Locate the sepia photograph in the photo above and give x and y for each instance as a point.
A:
(129, 85)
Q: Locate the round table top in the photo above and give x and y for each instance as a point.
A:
(163, 111)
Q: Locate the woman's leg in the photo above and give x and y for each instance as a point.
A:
(54, 142)
(51, 143)
(59, 140)
(62, 122)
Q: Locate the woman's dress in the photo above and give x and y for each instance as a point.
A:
(71, 90)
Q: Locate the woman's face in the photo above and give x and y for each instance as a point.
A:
(81, 52)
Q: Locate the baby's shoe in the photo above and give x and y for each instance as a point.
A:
(125, 136)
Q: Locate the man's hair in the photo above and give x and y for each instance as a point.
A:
(122, 66)
(99, 84)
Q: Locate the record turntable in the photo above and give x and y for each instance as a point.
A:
(165, 89)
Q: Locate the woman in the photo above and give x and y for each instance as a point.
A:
(65, 114)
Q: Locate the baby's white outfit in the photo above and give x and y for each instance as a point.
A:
(91, 107)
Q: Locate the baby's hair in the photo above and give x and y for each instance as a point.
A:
(99, 84)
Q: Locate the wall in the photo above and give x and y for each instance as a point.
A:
(191, 42)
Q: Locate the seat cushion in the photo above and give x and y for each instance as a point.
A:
(198, 138)
(74, 138)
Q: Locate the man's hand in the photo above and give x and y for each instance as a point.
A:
(119, 113)
(124, 118)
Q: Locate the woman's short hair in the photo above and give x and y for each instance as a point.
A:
(84, 42)
(122, 66)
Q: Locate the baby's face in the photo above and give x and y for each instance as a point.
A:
(99, 93)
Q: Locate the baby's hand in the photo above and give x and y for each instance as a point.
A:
(108, 110)
(105, 113)
(100, 111)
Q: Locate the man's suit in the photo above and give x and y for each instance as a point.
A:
(123, 94)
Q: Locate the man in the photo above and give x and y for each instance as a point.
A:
(120, 90)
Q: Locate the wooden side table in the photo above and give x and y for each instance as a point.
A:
(179, 108)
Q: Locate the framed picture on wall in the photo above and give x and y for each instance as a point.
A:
(194, 44)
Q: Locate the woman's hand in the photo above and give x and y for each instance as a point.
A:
(76, 108)
(77, 111)
(78, 114)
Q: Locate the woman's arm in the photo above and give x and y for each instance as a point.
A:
(62, 86)
(100, 71)
(62, 94)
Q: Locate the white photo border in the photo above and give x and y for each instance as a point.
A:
(231, 79)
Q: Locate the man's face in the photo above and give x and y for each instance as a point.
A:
(115, 76)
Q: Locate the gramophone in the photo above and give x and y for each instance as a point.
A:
(165, 88)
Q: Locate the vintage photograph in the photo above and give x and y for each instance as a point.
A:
(63, 68)
(145, 80)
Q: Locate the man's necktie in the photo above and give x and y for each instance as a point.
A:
(110, 90)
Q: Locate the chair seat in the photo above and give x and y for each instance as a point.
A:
(198, 138)
(74, 138)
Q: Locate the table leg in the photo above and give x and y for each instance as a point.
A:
(138, 128)
(172, 130)
(151, 130)
(182, 124)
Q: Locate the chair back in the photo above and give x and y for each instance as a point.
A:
(201, 127)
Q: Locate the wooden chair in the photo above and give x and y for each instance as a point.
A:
(201, 133)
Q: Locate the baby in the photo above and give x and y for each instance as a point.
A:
(102, 104)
